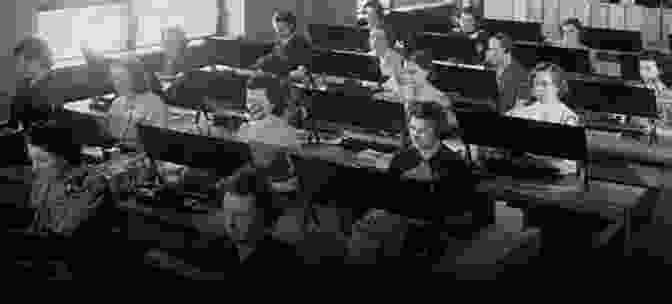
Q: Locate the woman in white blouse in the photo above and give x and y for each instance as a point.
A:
(416, 85)
(390, 61)
(548, 88)
(136, 104)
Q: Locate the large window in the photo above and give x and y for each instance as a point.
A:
(197, 17)
(116, 25)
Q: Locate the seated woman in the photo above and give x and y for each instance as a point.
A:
(469, 23)
(390, 60)
(137, 104)
(548, 88)
(650, 73)
(174, 42)
(268, 134)
(570, 35)
(415, 80)
(426, 159)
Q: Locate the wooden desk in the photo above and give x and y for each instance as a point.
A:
(601, 147)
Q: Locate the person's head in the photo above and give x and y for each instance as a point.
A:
(379, 40)
(468, 20)
(246, 200)
(417, 68)
(49, 148)
(548, 82)
(284, 23)
(426, 124)
(649, 68)
(129, 76)
(174, 41)
(570, 31)
(33, 57)
(374, 12)
(499, 48)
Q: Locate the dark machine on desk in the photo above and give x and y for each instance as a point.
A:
(218, 156)
(339, 37)
(614, 97)
(518, 137)
(454, 47)
(470, 82)
(570, 60)
(351, 66)
(517, 30)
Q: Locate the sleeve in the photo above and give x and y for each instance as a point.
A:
(396, 168)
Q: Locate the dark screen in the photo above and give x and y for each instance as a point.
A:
(360, 112)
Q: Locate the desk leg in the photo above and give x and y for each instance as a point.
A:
(627, 246)
(655, 239)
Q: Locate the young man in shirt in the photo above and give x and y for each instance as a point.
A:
(512, 78)
(451, 197)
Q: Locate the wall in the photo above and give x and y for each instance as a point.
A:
(19, 21)
(255, 22)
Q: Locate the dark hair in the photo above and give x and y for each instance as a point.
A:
(376, 6)
(57, 140)
(574, 22)
(286, 17)
(434, 112)
(557, 76)
(505, 41)
(249, 180)
(140, 78)
(33, 48)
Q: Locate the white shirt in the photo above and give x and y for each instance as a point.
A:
(124, 115)
(271, 130)
(553, 112)
(391, 65)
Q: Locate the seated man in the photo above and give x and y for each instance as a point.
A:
(427, 159)
(291, 57)
(246, 213)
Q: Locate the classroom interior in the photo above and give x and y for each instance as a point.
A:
(158, 210)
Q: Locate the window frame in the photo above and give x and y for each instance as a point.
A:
(133, 28)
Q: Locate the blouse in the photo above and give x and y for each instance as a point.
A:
(124, 115)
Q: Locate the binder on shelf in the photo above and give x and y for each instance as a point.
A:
(500, 9)
(616, 16)
(520, 10)
(535, 11)
(634, 17)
